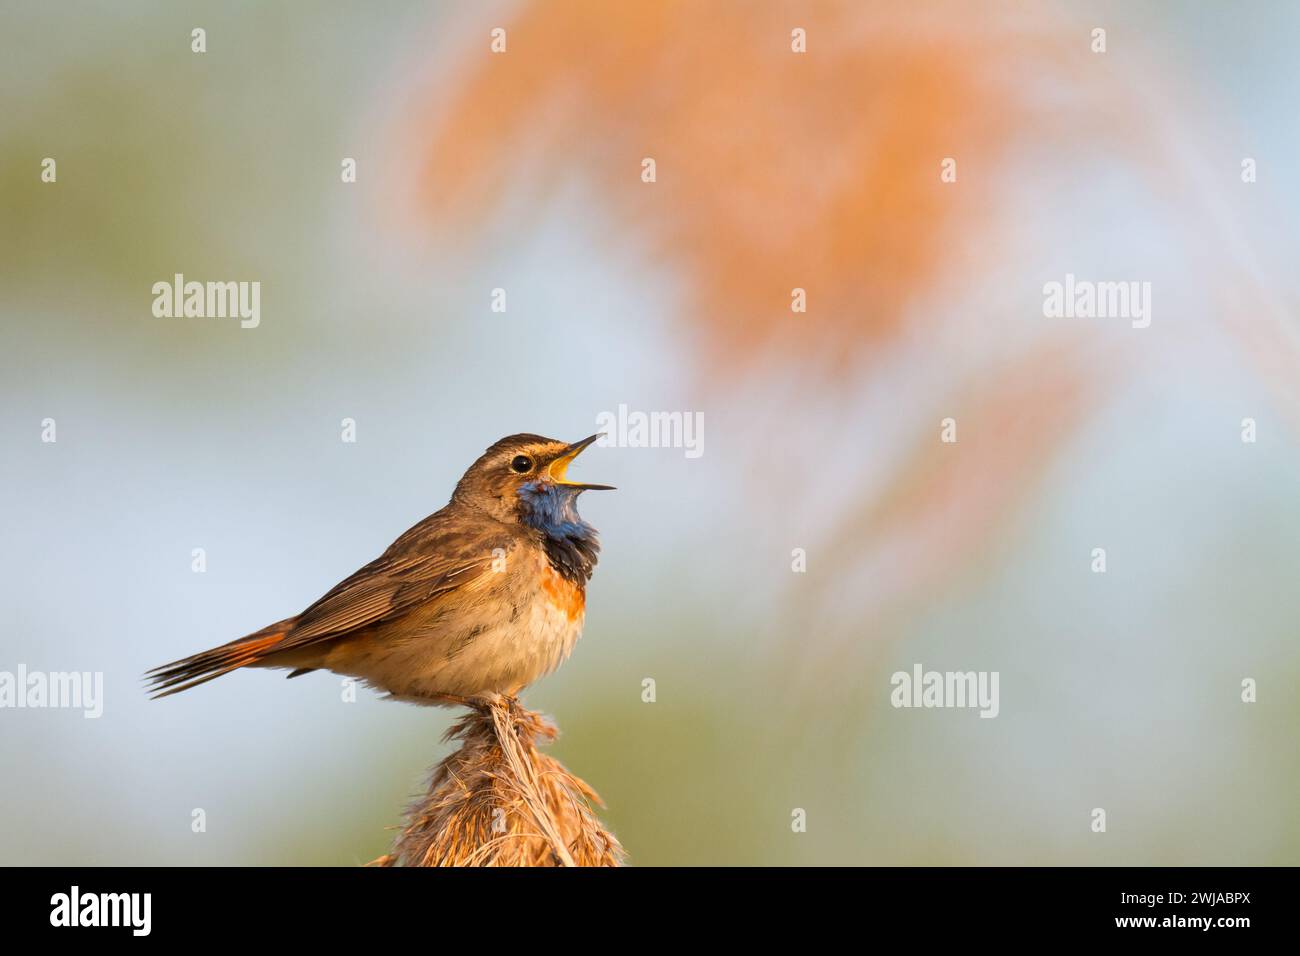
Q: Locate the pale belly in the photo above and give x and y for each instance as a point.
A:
(507, 658)
(476, 651)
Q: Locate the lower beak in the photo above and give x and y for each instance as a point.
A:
(560, 466)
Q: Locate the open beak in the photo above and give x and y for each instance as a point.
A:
(559, 467)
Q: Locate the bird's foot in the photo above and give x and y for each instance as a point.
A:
(506, 702)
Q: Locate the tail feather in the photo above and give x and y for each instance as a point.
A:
(200, 668)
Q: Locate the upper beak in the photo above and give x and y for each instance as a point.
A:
(560, 466)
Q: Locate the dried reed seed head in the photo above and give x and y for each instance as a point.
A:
(499, 801)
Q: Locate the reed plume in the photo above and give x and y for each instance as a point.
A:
(498, 800)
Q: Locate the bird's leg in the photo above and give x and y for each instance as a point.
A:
(506, 702)
(439, 700)
(456, 700)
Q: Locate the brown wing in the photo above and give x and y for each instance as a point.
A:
(441, 554)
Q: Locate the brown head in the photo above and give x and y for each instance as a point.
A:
(525, 478)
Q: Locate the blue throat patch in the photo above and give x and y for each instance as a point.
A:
(571, 544)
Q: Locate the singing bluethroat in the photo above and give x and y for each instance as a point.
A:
(479, 599)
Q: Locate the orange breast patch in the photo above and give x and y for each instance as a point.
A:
(564, 594)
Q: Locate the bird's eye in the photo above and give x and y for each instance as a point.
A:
(522, 464)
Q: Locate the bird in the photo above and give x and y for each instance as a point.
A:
(470, 605)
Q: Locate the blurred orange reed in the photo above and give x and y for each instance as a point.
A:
(774, 170)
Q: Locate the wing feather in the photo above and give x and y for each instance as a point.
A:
(432, 559)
